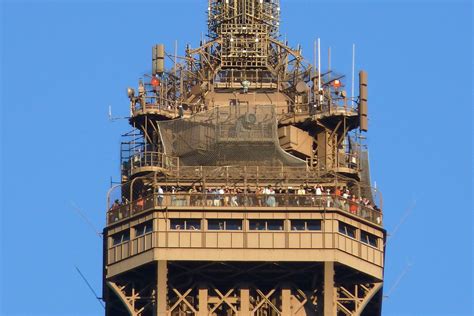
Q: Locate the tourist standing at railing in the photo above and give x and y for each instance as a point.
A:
(191, 198)
(140, 203)
(209, 197)
(337, 199)
(233, 198)
(248, 200)
(318, 192)
(269, 194)
(281, 197)
(258, 194)
(345, 197)
(353, 206)
(159, 196)
(221, 196)
(226, 195)
(173, 196)
(301, 195)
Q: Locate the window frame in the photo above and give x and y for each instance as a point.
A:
(186, 224)
(124, 237)
(225, 221)
(345, 232)
(141, 232)
(367, 239)
(266, 226)
(306, 225)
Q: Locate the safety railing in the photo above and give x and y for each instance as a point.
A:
(315, 168)
(150, 159)
(215, 199)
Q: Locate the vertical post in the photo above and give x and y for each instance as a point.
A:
(353, 72)
(203, 301)
(286, 300)
(244, 301)
(161, 304)
(329, 290)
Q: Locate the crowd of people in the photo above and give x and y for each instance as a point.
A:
(259, 196)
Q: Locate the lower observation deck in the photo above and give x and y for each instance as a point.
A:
(242, 202)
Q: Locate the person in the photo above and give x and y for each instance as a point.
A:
(270, 196)
(226, 195)
(216, 198)
(353, 207)
(258, 194)
(210, 197)
(115, 206)
(192, 196)
(233, 199)
(140, 203)
(318, 192)
(160, 196)
(301, 195)
(248, 199)
(221, 195)
(173, 196)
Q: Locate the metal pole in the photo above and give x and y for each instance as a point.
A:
(353, 73)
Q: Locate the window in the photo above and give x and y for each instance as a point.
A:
(305, 224)
(224, 224)
(120, 237)
(185, 224)
(266, 224)
(347, 229)
(369, 239)
(144, 228)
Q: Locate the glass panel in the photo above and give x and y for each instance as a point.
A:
(120, 237)
(313, 224)
(215, 224)
(256, 224)
(275, 224)
(193, 224)
(298, 224)
(233, 224)
(177, 224)
(347, 229)
(367, 238)
(144, 228)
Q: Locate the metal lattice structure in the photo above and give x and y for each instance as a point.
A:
(245, 184)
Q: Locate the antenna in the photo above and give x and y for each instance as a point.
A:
(84, 217)
(398, 280)
(99, 299)
(319, 64)
(353, 73)
(407, 213)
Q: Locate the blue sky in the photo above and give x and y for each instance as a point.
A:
(64, 62)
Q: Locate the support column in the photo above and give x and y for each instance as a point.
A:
(286, 301)
(329, 290)
(203, 301)
(245, 301)
(161, 305)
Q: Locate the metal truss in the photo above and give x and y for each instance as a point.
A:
(352, 300)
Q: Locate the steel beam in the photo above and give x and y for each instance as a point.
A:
(161, 288)
(329, 290)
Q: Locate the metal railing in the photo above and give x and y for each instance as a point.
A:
(150, 159)
(214, 200)
(315, 167)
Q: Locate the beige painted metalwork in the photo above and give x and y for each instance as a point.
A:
(245, 183)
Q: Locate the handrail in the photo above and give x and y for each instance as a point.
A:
(243, 200)
(171, 164)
